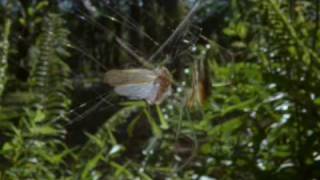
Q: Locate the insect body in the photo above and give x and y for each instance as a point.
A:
(200, 84)
(151, 85)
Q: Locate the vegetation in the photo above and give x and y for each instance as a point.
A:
(245, 104)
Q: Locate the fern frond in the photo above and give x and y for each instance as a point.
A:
(4, 52)
(36, 142)
(50, 74)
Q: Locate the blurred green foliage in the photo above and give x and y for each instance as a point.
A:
(260, 119)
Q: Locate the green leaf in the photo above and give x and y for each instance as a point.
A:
(317, 101)
(39, 116)
(44, 131)
(239, 44)
(155, 128)
(164, 124)
(91, 164)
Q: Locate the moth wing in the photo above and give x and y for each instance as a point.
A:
(146, 91)
(129, 76)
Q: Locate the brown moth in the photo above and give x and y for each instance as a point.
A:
(200, 85)
(150, 85)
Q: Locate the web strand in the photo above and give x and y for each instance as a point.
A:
(175, 32)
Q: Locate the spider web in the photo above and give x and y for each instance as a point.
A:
(176, 45)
